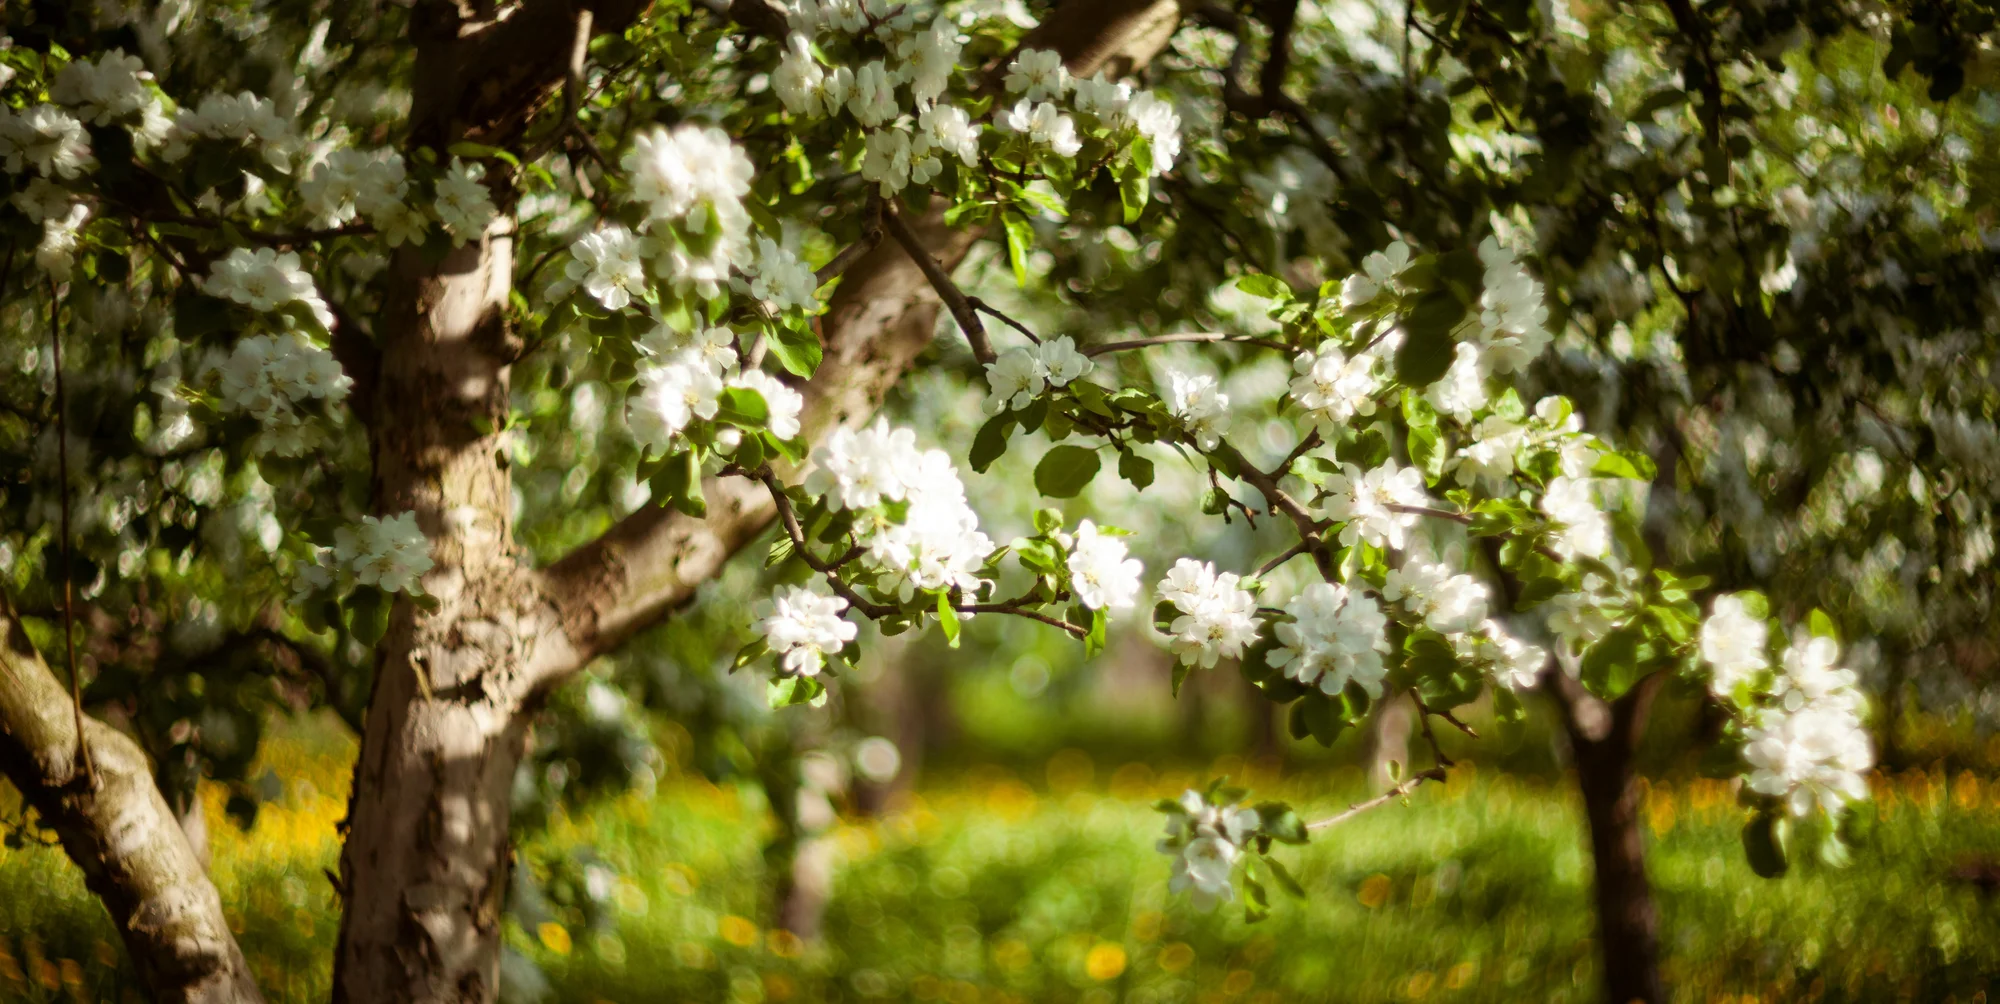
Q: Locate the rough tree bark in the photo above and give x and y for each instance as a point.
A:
(425, 865)
(1604, 740)
(120, 832)
(458, 680)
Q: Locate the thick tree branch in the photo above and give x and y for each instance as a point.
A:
(121, 833)
(881, 317)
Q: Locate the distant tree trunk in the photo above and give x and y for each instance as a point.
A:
(1389, 739)
(1604, 740)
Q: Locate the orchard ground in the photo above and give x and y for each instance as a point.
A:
(1038, 881)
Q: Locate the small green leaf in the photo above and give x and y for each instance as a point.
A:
(1020, 239)
(1065, 470)
(1286, 882)
(1136, 469)
(795, 347)
(1821, 625)
(1133, 191)
(1093, 643)
(1611, 666)
(990, 441)
(1181, 670)
(1281, 822)
(743, 407)
(947, 619)
(1428, 350)
(368, 610)
(1260, 284)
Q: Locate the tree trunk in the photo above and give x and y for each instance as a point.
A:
(1604, 739)
(120, 832)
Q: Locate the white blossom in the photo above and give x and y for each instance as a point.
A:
(1513, 319)
(1449, 603)
(874, 99)
(1517, 665)
(929, 57)
(779, 277)
(1334, 637)
(61, 237)
(669, 395)
(1462, 389)
(1155, 119)
(47, 138)
(885, 160)
(1586, 530)
(1206, 840)
(1732, 643)
(1100, 573)
(799, 79)
(692, 175)
(1489, 458)
(781, 402)
(1367, 503)
(609, 264)
(1578, 618)
(1061, 362)
(390, 553)
(1198, 401)
(1217, 616)
(1044, 125)
(1014, 380)
(103, 91)
(463, 203)
(803, 627)
(265, 280)
(1332, 388)
(945, 131)
(1038, 75)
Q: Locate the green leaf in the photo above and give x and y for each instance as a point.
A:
(1133, 191)
(1181, 671)
(1136, 469)
(750, 653)
(1020, 239)
(1425, 453)
(786, 691)
(1281, 823)
(743, 407)
(1624, 464)
(1765, 840)
(947, 619)
(1065, 470)
(1286, 882)
(990, 441)
(1260, 284)
(1093, 643)
(1821, 625)
(368, 611)
(1428, 350)
(678, 483)
(1611, 666)
(795, 347)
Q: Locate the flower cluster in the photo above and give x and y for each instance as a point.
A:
(1022, 373)
(1732, 643)
(692, 181)
(391, 554)
(45, 138)
(269, 376)
(266, 280)
(1206, 841)
(105, 90)
(1217, 617)
(1513, 320)
(936, 545)
(244, 119)
(779, 277)
(1198, 401)
(1447, 603)
(1371, 504)
(374, 184)
(1333, 387)
(1810, 748)
(1100, 571)
(1333, 637)
(803, 627)
(463, 204)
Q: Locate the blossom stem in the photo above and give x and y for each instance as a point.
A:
(871, 235)
(1433, 774)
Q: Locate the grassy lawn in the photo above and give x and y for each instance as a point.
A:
(1043, 886)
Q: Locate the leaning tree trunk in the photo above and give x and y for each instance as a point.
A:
(119, 830)
(1604, 740)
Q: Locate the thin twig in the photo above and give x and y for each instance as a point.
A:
(871, 235)
(987, 308)
(1185, 336)
(1433, 774)
(68, 570)
(1292, 552)
(954, 298)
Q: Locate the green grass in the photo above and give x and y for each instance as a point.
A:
(991, 887)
